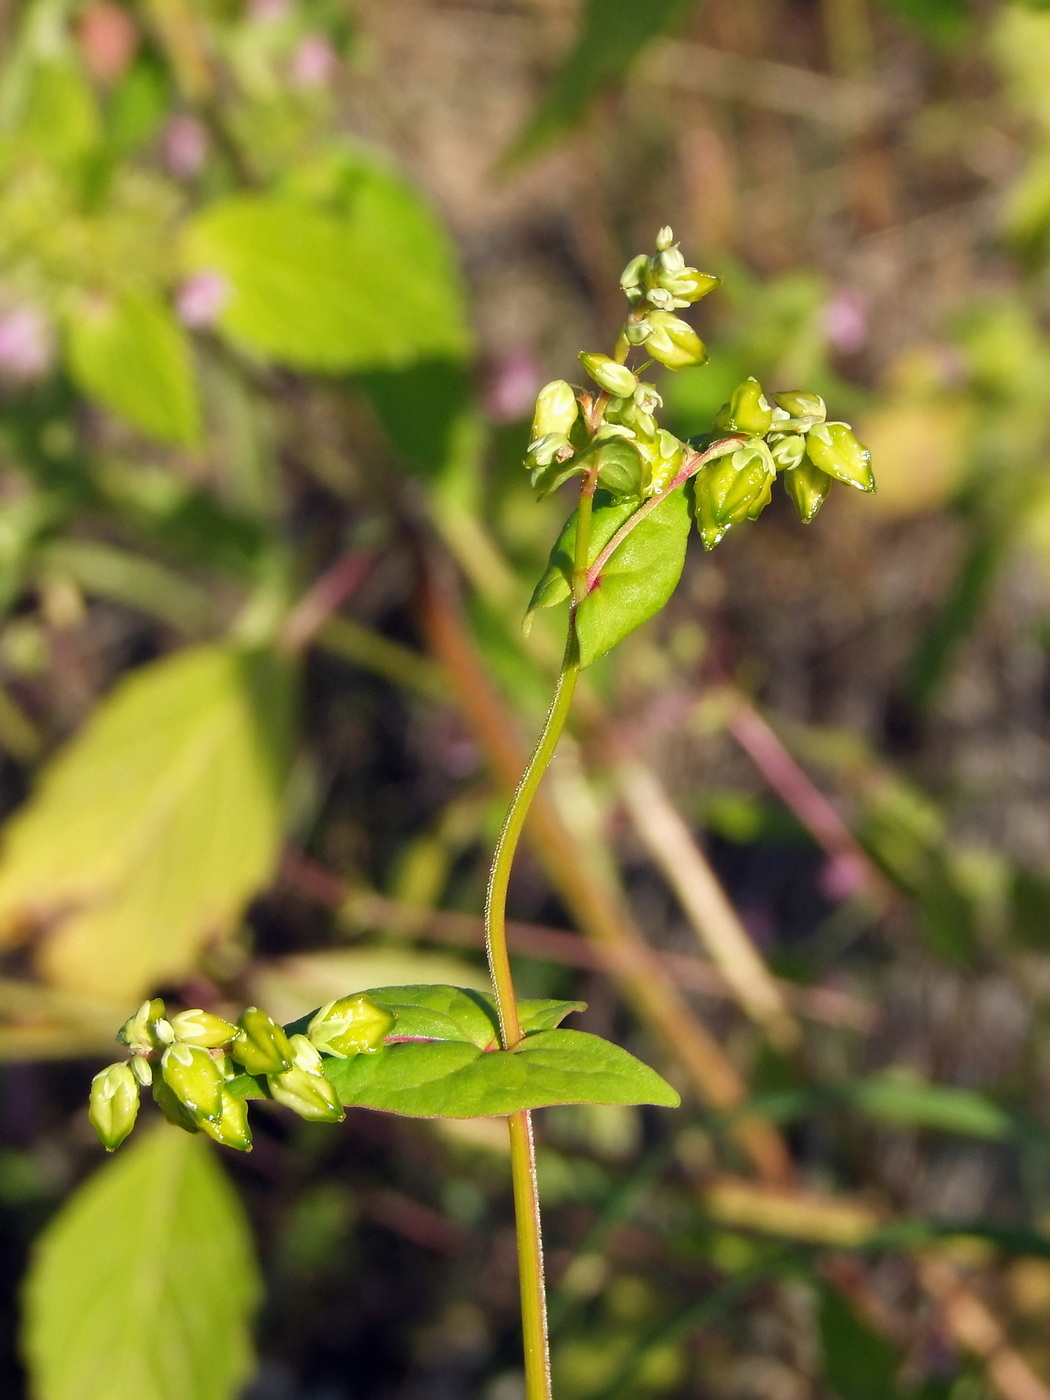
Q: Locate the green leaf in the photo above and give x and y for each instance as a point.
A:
(152, 829)
(611, 36)
(907, 1101)
(145, 1283)
(858, 1363)
(458, 1079)
(134, 357)
(371, 285)
(637, 580)
(457, 1014)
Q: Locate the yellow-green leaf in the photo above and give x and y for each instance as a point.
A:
(151, 830)
(134, 358)
(145, 1282)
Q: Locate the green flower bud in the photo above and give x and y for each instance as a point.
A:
(788, 451)
(556, 410)
(807, 486)
(634, 278)
(262, 1046)
(194, 1078)
(734, 487)
(305, 1088)
(620, 467)
(673, 341)
(833, 448)
(350, 1026)
(664, 239)
(202, 1028)
(690, 285)
(139, 1032)
(665, 458)
(231, 1128)
(142, 1070)
(614, 378)
(114, 1104)
(749, 409)
(636, 332)
(175, 1112)
(805, 409)
(552, 447)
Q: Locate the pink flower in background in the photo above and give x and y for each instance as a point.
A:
(514, 380)
(27, 346)
(108, 40)
(843, 876)
(184, 144)
(264, 11)
(313, 62)
(200, 298)
(846, 321)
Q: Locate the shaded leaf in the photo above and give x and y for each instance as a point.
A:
(369, 286)
(611, 36)
(908, 1101)
(637, 580)
(145, 1283)
(457, 1079)
(134, 358)
(859, 1364)
(151, 830)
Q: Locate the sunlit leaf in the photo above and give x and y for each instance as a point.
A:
(637, 580)
(371, 285)
(133, 357)
(151, 830)
(145, 1282)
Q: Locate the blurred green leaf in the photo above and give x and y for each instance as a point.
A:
(145, 1283)
(611, 37)
(908, 1101)
(151, 830)
(637, 580)
(454, 1079)
(858, 1363)
(371, 286)
(134, 357)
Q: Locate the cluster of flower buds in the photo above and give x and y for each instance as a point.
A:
(190, 1058)
(791, 435)
(656, 287)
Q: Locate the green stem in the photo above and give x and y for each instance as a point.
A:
(522, 1148)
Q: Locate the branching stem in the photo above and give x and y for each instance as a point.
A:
(522, 1149)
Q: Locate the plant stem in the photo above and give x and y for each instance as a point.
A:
(522, 1147)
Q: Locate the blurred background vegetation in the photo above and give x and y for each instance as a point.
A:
(279, 280)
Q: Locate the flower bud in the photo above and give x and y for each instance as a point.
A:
(552, 447)
(142, 1070)
(614, 378)
(634, 278)
(807, 486)
(806, 409)
(788, 451)
(690, 285)
(139, 1032)
(350, 1026)
(202, 1028)
(231, 1128)
(665, 459)
(673, 341)
(833, 448)
(175, 1112)
(734, 487)
(114, 1104)
(305, 1088)
(664, 239)
(194, 1078)
(556, 410)
(749, 409)
(261, 1046)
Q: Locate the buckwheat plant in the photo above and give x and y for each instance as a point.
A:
(438, 1051)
